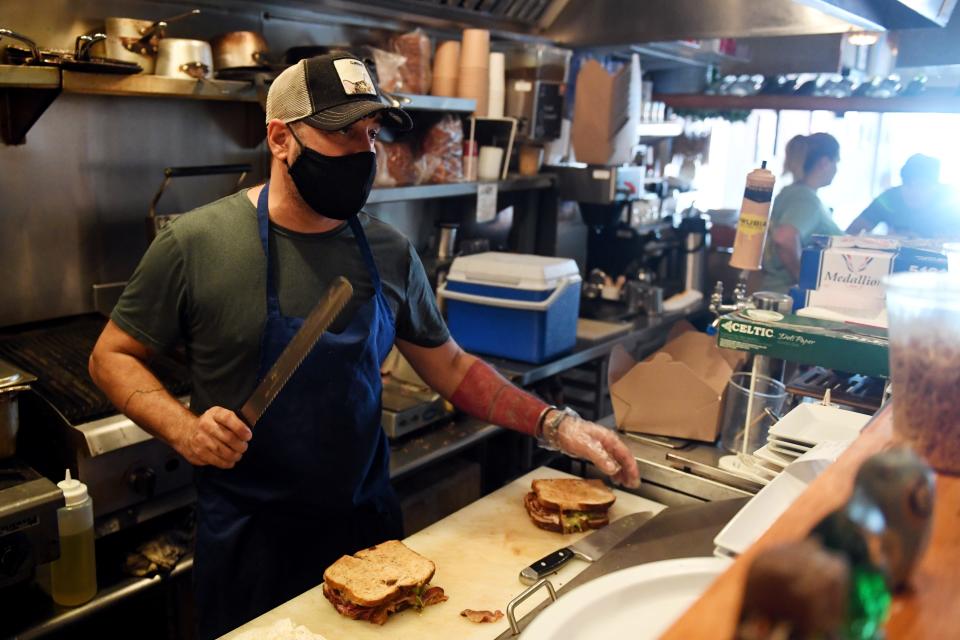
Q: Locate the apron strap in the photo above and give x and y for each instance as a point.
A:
(365, 251)
(263, 226)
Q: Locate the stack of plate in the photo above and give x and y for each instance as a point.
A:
(801, 445)
(770, 502)
(807, 426)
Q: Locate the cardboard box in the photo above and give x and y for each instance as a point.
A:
(606, 113)
(835, 300)
(860, 272)
(834, 345)
(676, 391)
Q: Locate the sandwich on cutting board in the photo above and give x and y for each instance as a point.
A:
(568, 505)
(375, 582)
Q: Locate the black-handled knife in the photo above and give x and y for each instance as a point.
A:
(332, 302)
(590, 548)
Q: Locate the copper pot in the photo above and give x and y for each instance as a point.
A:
(239, 50)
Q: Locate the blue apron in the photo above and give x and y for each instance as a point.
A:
(314, 483)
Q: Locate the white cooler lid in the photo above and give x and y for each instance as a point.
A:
(514, 270)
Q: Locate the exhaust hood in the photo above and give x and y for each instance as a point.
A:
(614, 23)
(888, 14)
(618, 23)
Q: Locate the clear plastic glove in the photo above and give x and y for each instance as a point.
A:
(579, 438)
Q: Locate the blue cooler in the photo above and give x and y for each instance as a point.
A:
(515, 306)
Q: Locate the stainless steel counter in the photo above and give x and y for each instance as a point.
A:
(436, 443)
(645, 330)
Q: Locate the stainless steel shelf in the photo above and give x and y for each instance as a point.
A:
(436, 103)
(18, 76)
(901, 104)
(425, 191)
(29, 90)
(157, 86)
(24, 77)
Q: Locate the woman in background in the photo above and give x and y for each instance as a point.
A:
(798, 213)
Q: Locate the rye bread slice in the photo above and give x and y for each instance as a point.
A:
(573, 494)
(543, 518)
(376, 575)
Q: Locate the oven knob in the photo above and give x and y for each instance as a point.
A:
(143, 480)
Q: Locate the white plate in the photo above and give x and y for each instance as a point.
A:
(809, 424)
(771, 501)
(777, 446)
(789, 444)
(637, 603)
(777, 459)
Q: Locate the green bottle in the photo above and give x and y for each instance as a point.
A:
(870, 597)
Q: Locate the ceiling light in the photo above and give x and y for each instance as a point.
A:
(862, 38)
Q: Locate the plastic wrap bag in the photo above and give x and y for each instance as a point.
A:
(389, 70)
(415, 70)
(395, 165)
(442, 158)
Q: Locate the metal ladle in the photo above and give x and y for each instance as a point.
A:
(146, 44)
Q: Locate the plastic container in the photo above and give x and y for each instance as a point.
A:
(73, 577)
(516, 306)
(754, 218)
(952, 249)
(768, 394)
(924, 313)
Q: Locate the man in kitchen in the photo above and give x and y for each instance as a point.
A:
(921, 207)
(231, 281)
(798, 214)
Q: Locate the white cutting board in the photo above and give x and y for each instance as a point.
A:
(479, 552)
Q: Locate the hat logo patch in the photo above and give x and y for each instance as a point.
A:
(354, 77)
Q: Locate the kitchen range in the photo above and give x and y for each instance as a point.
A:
(664, 234)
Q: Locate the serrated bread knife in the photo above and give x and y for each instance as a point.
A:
(331, 303)
(590, 548)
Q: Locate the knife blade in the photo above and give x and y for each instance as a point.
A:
(331, 303)
(590, 548)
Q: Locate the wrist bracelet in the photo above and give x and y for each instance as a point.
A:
(538, 430)
(551, 425)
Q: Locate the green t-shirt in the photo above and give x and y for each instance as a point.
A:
(796, 205)
(202, 283)
(939, 219)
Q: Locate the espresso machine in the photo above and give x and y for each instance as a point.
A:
(632, 245)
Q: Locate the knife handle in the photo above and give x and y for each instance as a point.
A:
(545, 566)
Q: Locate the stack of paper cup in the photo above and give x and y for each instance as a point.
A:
(446, 63)
(497, 91)
(490, 163)
(474, 78)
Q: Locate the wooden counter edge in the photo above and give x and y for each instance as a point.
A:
(913, 614)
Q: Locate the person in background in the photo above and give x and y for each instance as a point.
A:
(798, 214)
(793, 156)
(920, 207)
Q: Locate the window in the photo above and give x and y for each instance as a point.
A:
(873, 147)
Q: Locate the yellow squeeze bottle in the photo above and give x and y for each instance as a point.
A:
(754, 218)
(73, 577)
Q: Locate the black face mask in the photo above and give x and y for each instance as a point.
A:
(334, 186)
